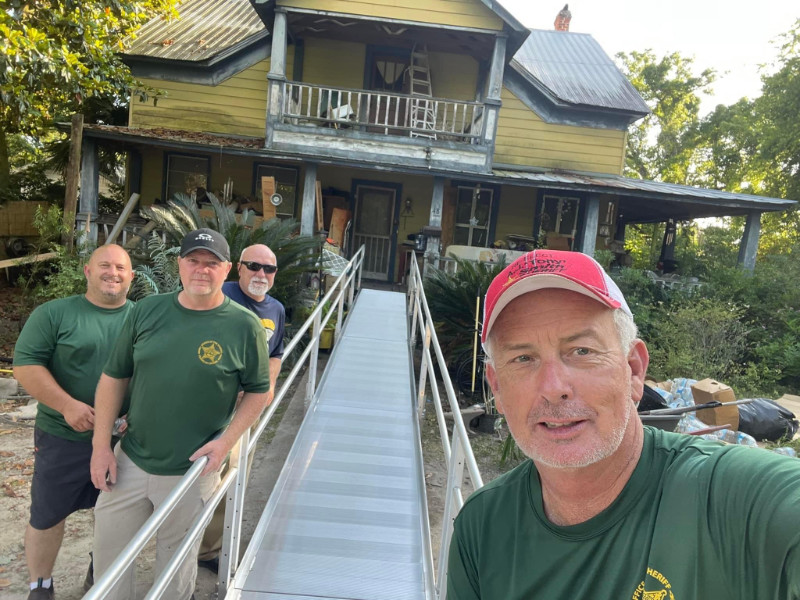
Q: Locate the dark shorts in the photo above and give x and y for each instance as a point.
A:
(62, 482)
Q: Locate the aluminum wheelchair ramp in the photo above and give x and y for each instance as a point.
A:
(348, 516)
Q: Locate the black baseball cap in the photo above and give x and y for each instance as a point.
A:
(206, 239)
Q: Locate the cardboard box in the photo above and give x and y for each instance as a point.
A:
(709, 390)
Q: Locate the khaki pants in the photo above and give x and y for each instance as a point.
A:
(120, 513)
(211, 544)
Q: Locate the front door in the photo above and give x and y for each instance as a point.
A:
(373, 228)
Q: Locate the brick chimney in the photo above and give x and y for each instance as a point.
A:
(562, 19)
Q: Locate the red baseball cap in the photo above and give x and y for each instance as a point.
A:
(550, 269)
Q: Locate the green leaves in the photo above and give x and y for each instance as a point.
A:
(55, 54)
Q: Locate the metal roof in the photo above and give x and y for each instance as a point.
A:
(574, 69)
(647, 200)
(205, 29)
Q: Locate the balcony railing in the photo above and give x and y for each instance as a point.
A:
(382, 113)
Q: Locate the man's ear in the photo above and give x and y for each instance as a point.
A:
(491, 377)
(638, 359)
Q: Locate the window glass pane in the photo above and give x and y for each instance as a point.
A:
(185, 174)
(464, 212)
(483, 208)
(461, 236)
(549, 213)
(569, 216)
(478, 237)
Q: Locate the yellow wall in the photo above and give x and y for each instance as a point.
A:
(462, 13)
(334, 63)
(524, 139)
(236, 106)
(453, 76)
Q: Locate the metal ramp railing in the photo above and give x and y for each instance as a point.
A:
(348, 515)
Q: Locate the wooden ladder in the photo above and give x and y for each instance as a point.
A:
(423, 108)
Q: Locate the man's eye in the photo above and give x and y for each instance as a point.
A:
(522, 358)
(582, 351)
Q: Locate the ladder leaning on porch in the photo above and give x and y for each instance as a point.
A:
(423, 108)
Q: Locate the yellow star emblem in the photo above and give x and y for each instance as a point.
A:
(209, 352)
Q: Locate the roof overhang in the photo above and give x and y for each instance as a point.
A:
(640, 201)
(211, 71)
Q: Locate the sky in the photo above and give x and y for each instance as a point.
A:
(732, 37)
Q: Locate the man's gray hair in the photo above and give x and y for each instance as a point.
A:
(627, 332)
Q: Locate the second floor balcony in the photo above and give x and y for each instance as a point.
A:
(379, 127)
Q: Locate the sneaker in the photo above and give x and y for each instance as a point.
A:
(88, 582)
(212, 564)
(42, 593)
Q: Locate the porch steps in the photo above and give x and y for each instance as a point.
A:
(423, 108)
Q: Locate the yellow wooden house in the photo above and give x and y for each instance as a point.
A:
(440, 123)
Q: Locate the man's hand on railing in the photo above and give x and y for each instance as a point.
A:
(215, 451)
(103, 468)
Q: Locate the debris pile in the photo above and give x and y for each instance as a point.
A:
(710, 409)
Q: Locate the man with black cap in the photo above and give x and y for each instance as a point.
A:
(607, 508)
(183, 358)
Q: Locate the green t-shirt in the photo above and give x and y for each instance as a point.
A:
(186, 369)
(71, 338)
(696, 521)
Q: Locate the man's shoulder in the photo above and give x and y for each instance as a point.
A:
(274, 303)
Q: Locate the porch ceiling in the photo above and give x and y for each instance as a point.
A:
(388, 33)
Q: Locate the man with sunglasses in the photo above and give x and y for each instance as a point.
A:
(257, 269)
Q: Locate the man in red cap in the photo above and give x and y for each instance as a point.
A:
(607, 508)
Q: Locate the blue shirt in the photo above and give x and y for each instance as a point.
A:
(269, 311)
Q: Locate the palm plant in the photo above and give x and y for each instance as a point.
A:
(452, 299)
(161, 274)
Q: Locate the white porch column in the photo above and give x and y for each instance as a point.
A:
(90, 187)
(492, 102)
(749, 245)
(588, 233)
(276, 78)
(309, 200)
(433, 231)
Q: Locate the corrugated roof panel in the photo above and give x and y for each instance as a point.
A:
(576, 70)
(205, 29)
(655, 187)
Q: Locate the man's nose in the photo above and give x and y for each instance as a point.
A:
(554, 383)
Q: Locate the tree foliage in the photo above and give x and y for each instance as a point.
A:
(55, 54)
(661, 146)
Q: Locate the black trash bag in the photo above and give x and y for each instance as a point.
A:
(767, 420)
(651, 400)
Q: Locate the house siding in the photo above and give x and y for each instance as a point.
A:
(237, 106)
(333, 63)
(523, 138)
(457, 13)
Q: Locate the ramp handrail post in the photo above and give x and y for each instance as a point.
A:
(423, 371)
(455, 481)
(351, 287)
(311, 384)
(414, 307)
(238, 500)
(340, 309)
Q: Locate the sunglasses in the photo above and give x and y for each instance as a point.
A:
(256, 267)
